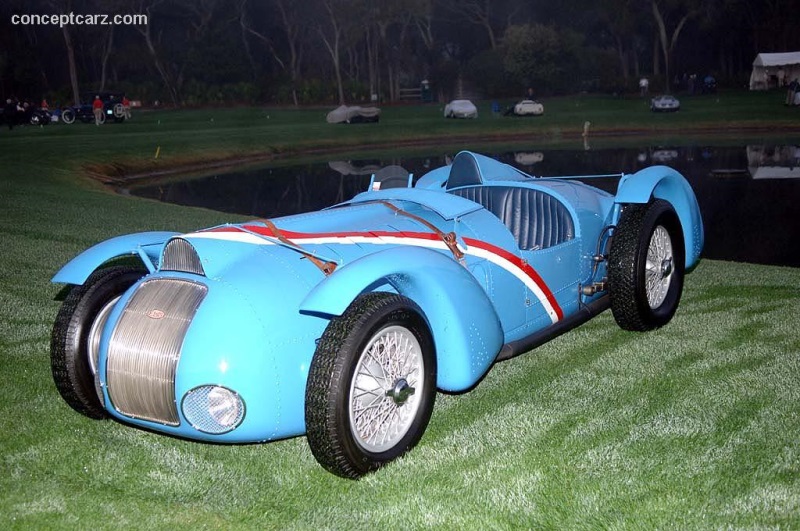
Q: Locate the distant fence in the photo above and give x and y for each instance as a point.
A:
(411, 94)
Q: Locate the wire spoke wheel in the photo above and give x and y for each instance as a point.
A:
(659, 267)
(75, 340)
(383, 393)
(646, 266)
(371, 385)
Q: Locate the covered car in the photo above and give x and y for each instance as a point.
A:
(353, 114)
(342, 324)
(665, 103)
(460, 109)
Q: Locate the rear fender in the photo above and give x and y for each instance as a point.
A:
(146, 245)
(663, 182)
(465, 327)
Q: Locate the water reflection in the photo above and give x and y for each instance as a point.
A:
(773, 162)
(747, 194)
(346, 167)
(525, 160)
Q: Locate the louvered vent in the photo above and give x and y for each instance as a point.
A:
(146, 346)
(179, 255)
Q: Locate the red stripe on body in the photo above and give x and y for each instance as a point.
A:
(499, 251)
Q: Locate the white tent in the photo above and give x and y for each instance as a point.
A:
(772, 70)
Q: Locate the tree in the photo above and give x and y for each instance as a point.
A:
(65, 6)
(671, 16)
(331, 28)
(383, 16)
(540, 56)
(480, 12)
(292, 19)
(148, 7)
(622, 19)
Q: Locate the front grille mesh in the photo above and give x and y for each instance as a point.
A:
(145, 348)
(179, 255)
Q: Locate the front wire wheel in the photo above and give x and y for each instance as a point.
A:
(383, 402)
(646, 266)
(371, 385)
(75, 340)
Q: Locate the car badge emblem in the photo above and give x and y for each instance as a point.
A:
(155, 314)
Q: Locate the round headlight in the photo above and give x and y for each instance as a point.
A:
(213, 409)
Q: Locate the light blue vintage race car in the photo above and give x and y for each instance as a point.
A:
(342, 324)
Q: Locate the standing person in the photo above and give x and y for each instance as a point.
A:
(791, 90)
(644, 86)
(529, 94)
(10, 113)
(126, 107)
(97, 109)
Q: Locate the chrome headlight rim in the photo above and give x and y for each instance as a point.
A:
(201, 417)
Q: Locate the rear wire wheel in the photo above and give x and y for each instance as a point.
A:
(371, 385)
(646, 266)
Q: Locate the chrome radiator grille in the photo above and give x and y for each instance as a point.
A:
(179, 255)
(146, 346)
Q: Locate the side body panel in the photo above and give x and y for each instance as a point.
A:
(466, 330)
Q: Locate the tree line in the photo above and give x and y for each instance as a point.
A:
(193, 52)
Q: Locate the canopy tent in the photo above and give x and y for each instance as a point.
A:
(774, 70)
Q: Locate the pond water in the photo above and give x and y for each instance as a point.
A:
(748, 195)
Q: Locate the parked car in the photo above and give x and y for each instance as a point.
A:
(460, 109)
(25, 114)
(526, 108)
(665, 103)
(39, 116)
(112, 108)
(342, 324)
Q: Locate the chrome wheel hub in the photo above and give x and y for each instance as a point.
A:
(400, 392)
(383, 400)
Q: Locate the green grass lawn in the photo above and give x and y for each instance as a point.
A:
(693, 426)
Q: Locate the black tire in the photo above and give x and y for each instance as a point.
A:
(337, 441)
(119, 111)
(637, 305)
(70, 350)
(68, 116)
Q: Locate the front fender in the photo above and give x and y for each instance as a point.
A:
(464, 324)
(146, 245)
(665, 183)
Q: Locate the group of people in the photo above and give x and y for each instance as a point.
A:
(98, 108)
(17, 112)
(687, 83)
